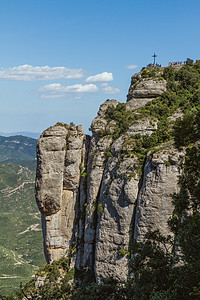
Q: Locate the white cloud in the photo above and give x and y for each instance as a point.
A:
(131, 67)
(105, 76)
(56, 90)
(111, 90)
(104, 84)
(30, 73)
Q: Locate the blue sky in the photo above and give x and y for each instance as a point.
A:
(61, 59)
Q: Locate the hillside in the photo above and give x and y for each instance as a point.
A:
(17, 147)
(21, 249)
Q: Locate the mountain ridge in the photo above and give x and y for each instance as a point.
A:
(17, 147)
(34, 135)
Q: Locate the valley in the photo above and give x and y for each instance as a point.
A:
(21, 250)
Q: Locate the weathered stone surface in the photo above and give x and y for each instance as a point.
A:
(134, 103)
(144, 126)
(81, 207)
(51, 157)
(95, 169)
(154, 203)
(59, 152)
(105, 106)
(89, 191)
(115, 212)
(147, 88)
(100, 123)
(143, 90)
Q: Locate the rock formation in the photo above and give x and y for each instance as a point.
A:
(91, 194)
(60, 152)
(143, 90)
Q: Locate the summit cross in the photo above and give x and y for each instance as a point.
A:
(154, 56)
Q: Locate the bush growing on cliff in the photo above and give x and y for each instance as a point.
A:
(108, 288)
(56, 278)
(186, 130)
(121, 116)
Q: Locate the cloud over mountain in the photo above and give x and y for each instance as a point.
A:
(105, 76)
(30, 73)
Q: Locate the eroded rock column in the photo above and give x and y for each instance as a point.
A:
(95, 169)
(59, 152)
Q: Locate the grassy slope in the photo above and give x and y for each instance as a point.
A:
(21, 249)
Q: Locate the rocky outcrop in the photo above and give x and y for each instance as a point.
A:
(147, 89)
(91, 194)
(142, 90)
(60, 151)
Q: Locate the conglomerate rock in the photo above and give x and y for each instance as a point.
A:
(60, 153)
(142, 90)
(115, 212)
(160, 182)
(91, 195)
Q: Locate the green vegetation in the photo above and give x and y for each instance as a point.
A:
(84, 174)
(100, 208)
(21, 250)
(150, 73)
(122, 118)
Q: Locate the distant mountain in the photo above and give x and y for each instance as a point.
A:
(34, 135)
(17, 147)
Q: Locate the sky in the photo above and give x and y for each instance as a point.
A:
(60, 60)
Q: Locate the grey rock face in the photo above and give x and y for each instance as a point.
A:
(147, 89)
(143, 90)
(154, 203)
(95, 167)
(147, 126)
(90, 193)
(115, 212)
(59, 152)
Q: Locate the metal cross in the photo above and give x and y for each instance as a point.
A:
(154, 56)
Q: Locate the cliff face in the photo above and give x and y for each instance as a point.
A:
(91, 193)
(144, 88)
(60, 151)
